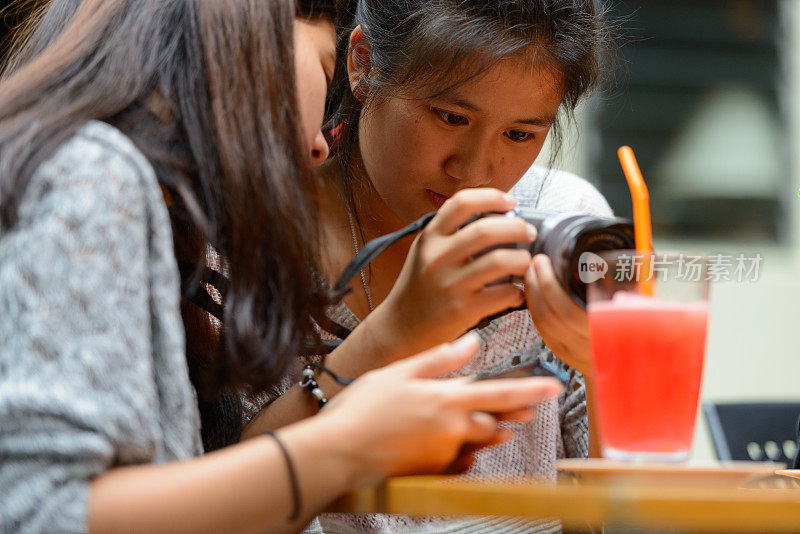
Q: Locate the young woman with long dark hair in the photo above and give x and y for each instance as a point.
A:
(445, 106)
(136, 136)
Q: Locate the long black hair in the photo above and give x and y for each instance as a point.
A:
(206, 90)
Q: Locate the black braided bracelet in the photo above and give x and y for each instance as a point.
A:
(309, 382)
(296, 506)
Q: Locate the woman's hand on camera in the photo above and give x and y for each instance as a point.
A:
(443, 288)
(402, 419)
(563, 325)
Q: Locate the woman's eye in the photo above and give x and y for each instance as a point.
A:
(450, 118)
(519, 136)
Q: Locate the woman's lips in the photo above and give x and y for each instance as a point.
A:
(436, 199)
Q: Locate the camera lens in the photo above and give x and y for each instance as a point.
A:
(565, 236)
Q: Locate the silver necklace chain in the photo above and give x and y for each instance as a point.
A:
(355, 252)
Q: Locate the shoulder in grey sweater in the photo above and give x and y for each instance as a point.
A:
(93, 371)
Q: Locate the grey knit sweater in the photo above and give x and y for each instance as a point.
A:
(92, 362)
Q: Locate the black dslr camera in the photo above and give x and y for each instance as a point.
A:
(565, 236)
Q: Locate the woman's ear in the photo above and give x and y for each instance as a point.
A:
(358, 63)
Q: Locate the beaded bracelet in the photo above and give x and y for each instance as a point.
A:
(309, 382)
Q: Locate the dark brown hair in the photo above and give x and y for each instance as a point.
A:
(434, 45)
(206, 90)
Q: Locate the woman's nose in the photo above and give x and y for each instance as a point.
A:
(319, 149)
(472, 165)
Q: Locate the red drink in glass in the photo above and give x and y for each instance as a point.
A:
(648, 361)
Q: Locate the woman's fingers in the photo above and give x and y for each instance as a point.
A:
(562, 323)
(462, 463)
(494, 299)
(505, 394)
(465, 204)
(482, 427)
(440, 360)
(554, 294)
(537, 305)
(482, 234)
(466, 456)
(495, 265)
(482, 432)
(554, 313)
(523, 415)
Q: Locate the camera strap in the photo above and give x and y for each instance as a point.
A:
(200, 277)
(371, 250)
(368, 252)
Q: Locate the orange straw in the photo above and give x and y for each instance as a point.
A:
(643, 231)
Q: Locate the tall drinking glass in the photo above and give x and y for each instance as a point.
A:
(647, 321)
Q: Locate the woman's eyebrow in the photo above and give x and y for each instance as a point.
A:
(460, 102)
(544, 122)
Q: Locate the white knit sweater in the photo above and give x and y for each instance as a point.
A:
(560, 428)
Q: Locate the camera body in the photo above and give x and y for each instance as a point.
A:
(565, 236)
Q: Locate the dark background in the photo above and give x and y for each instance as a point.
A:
(4, 22)
(8, 20)
(671, 54)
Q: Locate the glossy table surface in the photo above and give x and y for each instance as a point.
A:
(681, 501)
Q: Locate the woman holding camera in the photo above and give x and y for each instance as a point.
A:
(446, 106)
(142, 131)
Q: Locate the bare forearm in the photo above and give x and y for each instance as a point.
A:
(362, 351)
(244, 488)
